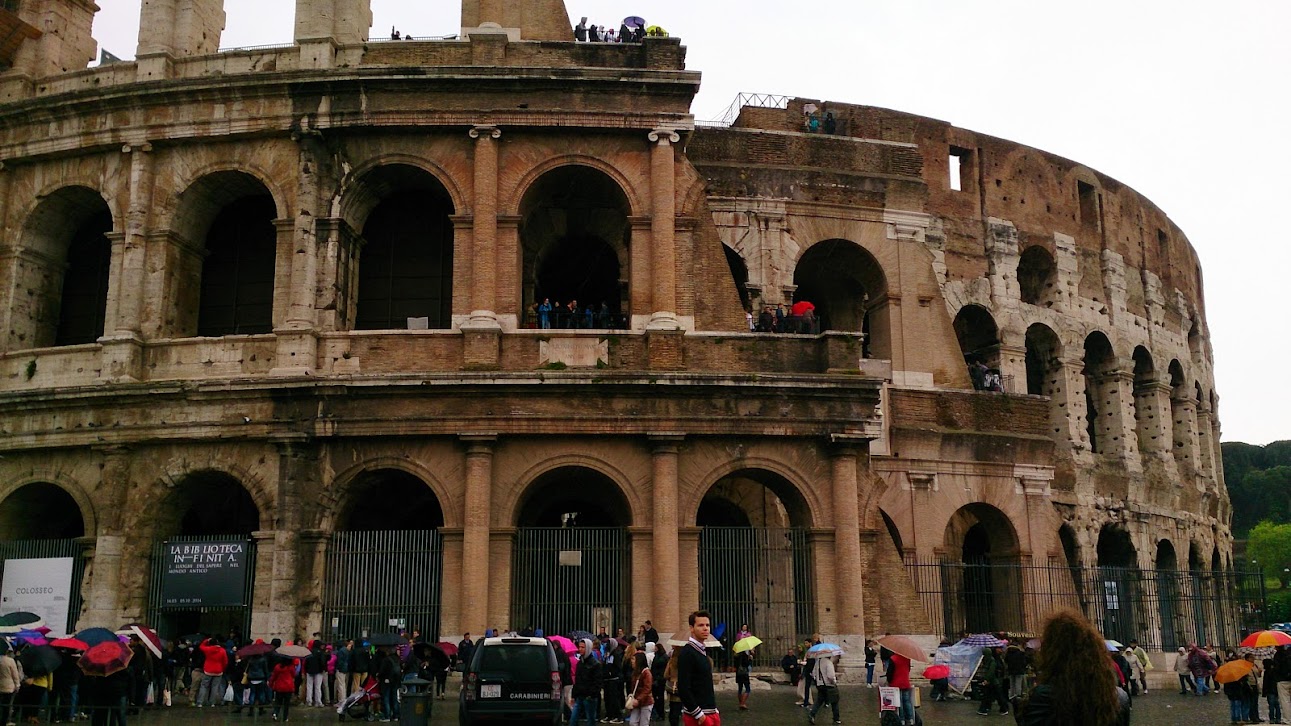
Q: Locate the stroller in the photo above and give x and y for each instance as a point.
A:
(363, 703)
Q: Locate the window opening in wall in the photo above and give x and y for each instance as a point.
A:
(959, 161)
(83, 305)
(1088, 194)
(1162, 240)
(238, 273)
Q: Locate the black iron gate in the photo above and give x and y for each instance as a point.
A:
(761, 577)
(1159, 608)
(32, 549)
(380, 582)
(570, 578)
(181, 620)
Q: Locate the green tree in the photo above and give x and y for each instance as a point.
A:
(1269, 545)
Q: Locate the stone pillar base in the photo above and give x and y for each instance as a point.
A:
(842, 352)
(482, 344)
(123, 358)
(665, 350)
(296, 354)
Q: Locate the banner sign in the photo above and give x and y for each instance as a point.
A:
(41, 586)
(204, 574)
(963, 661)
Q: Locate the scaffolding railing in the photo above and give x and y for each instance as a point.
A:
(756, 100)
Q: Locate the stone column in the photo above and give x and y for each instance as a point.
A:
(1183, 411)
(171, 29)
(1002, 261)
(849, 597)
(687, 577)
(1066, 391)
(1013, 367)
(297, 353)
(103, 594)
(1152, 411)
(1116, 420)
(639, 278)
(450, 611)
(663, 205)
(123, 339)
(666, 580)
(475, 532)
(1204, 446)
(484, 251)
(265, 623)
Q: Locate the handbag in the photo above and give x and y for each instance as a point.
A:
(631, 703)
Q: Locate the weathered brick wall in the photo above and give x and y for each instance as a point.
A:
(817, 152)
(655, 54)
(965, 411)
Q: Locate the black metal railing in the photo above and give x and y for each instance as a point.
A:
(383, 581)
(761, 577)
(571, 578)
(1162, 609)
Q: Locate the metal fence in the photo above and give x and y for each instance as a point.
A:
(761, 577)
(34, 549)
(379, 582)
(1162, 609)
(179, 621)
(571, 578)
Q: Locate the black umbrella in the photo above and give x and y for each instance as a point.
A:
(433, 653)
(387, 639)
(40, 660)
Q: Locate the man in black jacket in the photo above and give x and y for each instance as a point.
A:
(585, 696)
(695, 676)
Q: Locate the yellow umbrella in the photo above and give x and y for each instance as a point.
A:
(1233, 670)
(744, 644)
(656, 31)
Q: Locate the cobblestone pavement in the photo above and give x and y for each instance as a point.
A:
(774, 707)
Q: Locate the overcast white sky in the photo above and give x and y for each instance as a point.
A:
(1184, 100)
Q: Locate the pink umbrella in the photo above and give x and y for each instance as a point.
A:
(565, 644)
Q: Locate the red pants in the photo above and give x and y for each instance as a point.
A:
(712, 719)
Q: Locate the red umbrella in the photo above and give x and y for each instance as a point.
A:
(801, 307)
(146, 635)
(257, 648)
(106, 658)
(933, 672)
(70, 644)
(447, 647)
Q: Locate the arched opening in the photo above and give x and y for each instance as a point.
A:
(1037, 276)
(740, 274)
(1195, 342)
(405, 278)
(755, 563)
(1119, 573)
(41, 523)
(982, 544)
(1072, 557)
(849, 290)
(1145, 395)
(1203, 592)
(1173, 632)
(384, 563)
(575, 233)
(979, 341)
(228, 216)
(1042, 351)
(67, 259)
(1099, 361)
(204, 560)
(571, 567)
(1182, 414)
(40, 511)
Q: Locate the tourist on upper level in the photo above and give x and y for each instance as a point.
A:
(594, 34)
(394, 34)
(544, 314)
(625, 33)
(580, 31)
(830, 123)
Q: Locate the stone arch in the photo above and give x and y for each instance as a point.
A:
(403, 212)
(1145, 393)
(51, 496)
(346, 485)
(575, 234)
(511, 510)
(746, 491)
(1118, 568)
(740, 274)
(1195, 340)
(1170, 616)
(1182, 412)
(207, 502)
(1099, 365)
(178, 472)
(67, 265)
(1037, 276)
(225, 279)
(787, 484)
(983, 541)
(190, 212)
(849, 288)
(515, 202)
(979, 342)
(1043, 352)
(357, 198)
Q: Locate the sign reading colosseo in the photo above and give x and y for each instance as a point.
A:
(42, 586)
(204, 574)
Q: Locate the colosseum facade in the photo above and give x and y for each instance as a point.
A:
(291, 300)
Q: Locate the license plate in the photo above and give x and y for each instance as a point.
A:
(491, 691)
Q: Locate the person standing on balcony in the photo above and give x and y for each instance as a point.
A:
(544, 314)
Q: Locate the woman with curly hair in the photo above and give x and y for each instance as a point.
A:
(1076, 685)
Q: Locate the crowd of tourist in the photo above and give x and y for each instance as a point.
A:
(798, 318)
(570, 315)
(628, 32)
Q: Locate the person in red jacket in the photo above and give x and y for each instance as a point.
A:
(899, 677)
(216, 660)
(283, 685)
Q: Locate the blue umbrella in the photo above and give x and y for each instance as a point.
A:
(1113, 646)
(719, 631)
(824, 650)
(634, 22)
(94, 636)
